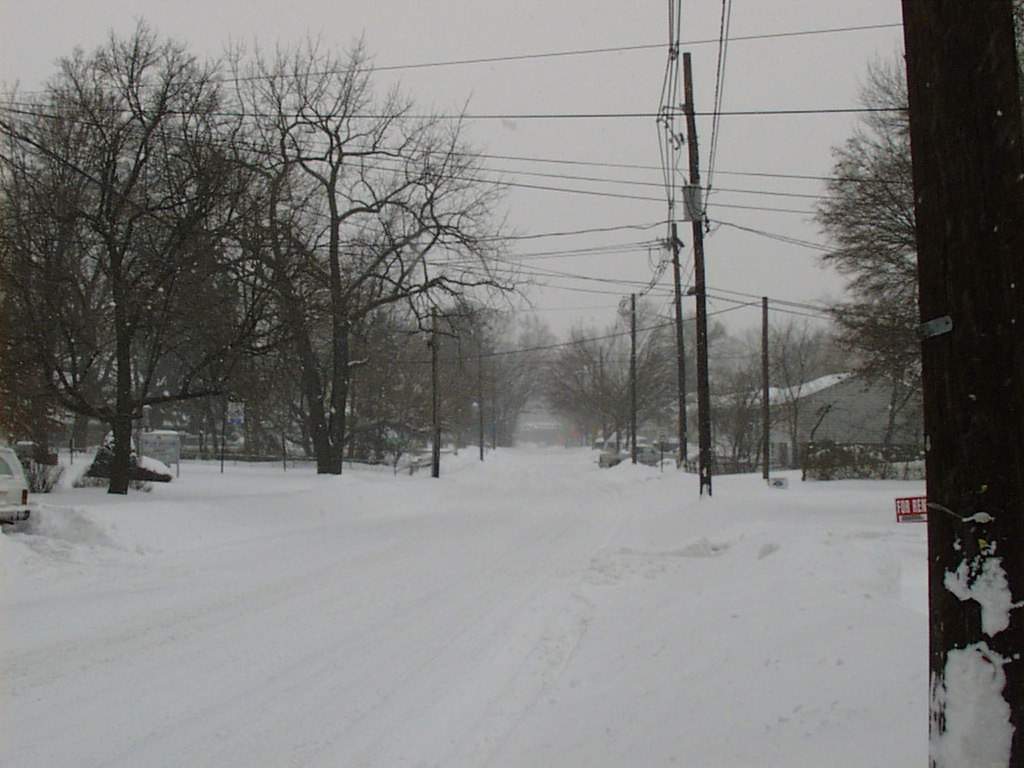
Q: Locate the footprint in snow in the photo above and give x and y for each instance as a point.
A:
(767, 549)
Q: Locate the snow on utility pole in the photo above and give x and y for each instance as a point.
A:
(968, 161)
(435, 450)
(703, 393)
(765, 401)
(632, 374)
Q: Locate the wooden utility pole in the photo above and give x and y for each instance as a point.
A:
(435, 464)
(480, 391)
(494, 407)
(223, 428)
(968, 162)
(632, 375)
(680, 347)
(703, 390)
(765, 402)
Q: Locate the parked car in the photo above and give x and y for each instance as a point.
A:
(14, 506)
(610, 458)
(645, 454)
(142, 470)
(648, 454)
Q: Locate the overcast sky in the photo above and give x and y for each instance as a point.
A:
(817, 71)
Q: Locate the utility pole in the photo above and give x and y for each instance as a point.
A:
(765, 402)
(223, 428)
(480, 391)
(671, 132)
(968, 163)
(703, 390)
(494, 405)
(632, 373)
(680, 347)
(435, 466)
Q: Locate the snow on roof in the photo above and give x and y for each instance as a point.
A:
(778, 395)
(782, 395)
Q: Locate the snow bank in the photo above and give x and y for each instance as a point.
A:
(530, 610)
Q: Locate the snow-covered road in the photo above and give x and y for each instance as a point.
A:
(533, 610)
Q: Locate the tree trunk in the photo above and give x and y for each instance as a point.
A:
(121, 425)
(890, 423)
(321, 442)
(794, 436)
(122, 420)
(338, 419)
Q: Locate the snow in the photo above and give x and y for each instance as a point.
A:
(782, 395)
(785, 395)
(154, 465)
(530, 610)
(986, 584)
(975, 723)
(977, 730)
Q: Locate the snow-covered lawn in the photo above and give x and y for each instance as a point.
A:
(530, 611)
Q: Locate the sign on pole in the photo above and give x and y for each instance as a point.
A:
(236, 414)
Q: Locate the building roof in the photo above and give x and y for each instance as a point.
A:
(779, 395)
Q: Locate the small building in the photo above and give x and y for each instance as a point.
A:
(843, 409)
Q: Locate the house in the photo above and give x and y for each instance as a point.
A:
(846, 409)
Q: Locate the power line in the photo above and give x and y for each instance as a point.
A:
(780, 238)
(641, 167)
(528, 310)
(577, 52)
(723, 48)
(609, 250)
(596, 193)
(585, 340)
(529, 159)
(17, 107)
(573, 232)
(622, 196)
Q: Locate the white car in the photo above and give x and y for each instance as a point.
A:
(13, 488)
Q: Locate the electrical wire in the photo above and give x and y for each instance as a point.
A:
(575, 52)
(22, 108)
(774, 236)
(723, 49)
(531, 159)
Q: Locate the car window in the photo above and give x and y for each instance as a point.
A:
(5, 468)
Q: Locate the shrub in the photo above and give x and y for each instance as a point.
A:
(42, 478)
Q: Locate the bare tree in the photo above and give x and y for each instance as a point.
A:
(736, 415)
(587, 380)
(368, 206)
(798, 354)
(515, 356)
(118, 196)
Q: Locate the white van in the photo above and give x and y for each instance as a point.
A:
(13, 488)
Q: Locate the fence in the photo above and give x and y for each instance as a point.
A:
(827, 460)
